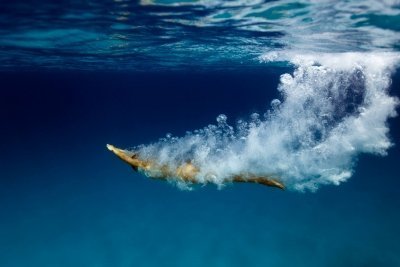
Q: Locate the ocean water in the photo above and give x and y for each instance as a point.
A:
(304, 91)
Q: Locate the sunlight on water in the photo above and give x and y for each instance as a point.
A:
(200, 34)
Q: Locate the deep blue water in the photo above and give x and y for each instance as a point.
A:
(76, 76)
(66, 201)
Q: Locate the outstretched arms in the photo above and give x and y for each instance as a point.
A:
(187, 171)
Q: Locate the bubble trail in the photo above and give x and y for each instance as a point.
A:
(332, 108)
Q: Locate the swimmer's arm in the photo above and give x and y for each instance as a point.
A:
(124, 156)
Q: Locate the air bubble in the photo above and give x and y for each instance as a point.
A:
(275, 103)
(221, 119)
(286, 79)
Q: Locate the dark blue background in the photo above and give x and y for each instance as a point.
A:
(66, 201)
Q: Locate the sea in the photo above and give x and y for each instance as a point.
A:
(306, 92)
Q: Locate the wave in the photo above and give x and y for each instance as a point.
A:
(331, 108)
(196, 35)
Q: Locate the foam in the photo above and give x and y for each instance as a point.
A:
(332, 108)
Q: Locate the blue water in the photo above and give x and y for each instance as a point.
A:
(75, 77)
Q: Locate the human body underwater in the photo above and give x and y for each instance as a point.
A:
(334, 107)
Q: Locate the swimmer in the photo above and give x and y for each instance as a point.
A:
(186, 172)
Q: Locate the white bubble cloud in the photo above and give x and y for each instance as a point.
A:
(332, 108)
